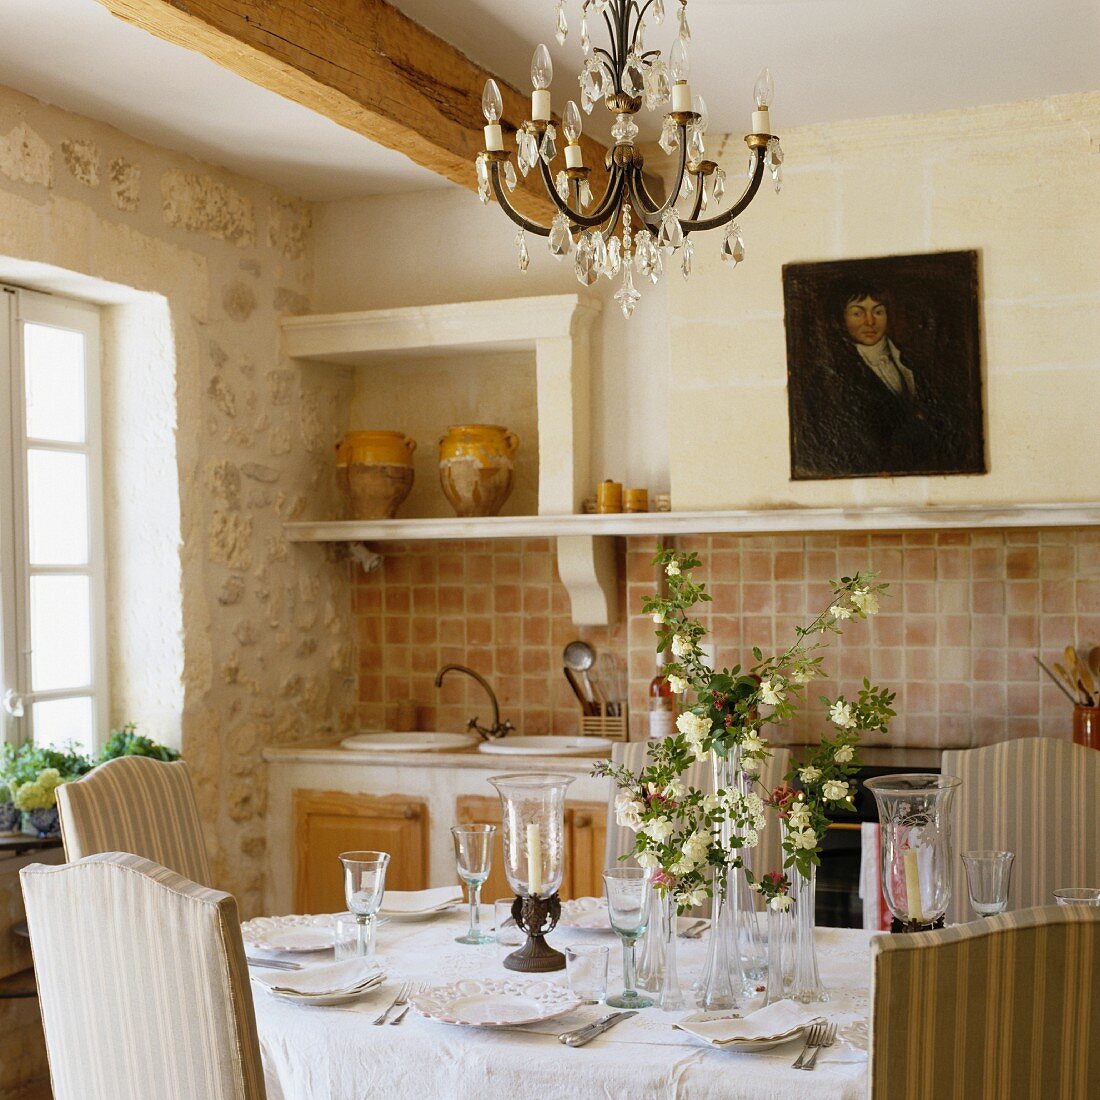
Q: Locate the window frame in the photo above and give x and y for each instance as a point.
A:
(19, 308)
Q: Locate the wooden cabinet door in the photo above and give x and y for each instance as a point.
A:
(327, 823)
(586, 835)
(481, 809)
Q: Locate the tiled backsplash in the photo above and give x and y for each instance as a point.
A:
(957, 636)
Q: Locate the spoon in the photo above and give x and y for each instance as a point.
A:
(580, 657)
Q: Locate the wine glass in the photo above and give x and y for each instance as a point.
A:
(627, 890)
(1077, 895)
(364, 887)
(988, 876)
(474, 858)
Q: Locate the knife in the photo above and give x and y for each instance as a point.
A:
(587, 1034)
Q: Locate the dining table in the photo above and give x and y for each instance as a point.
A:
(338, 1053)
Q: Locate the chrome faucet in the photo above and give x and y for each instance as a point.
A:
(498, 728)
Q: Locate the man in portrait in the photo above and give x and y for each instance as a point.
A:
(883, 375)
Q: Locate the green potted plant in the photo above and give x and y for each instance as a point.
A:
(30, 776)
(128, 742)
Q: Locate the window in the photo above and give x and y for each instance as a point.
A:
(53, 681)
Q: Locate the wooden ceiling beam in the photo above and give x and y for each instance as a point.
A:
(363, 64)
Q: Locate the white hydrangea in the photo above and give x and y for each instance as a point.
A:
(752, 838)
(682, 646)
(628, 811)
(835, 790)
(771, 692)
(840, 713)
(865, 600)
(672, 569)
(843, 754)
(677, 684)
(809, 774)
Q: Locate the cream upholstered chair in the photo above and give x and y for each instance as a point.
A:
(1037, 797)
(142, 982)
(1004, 1007)
(134, 804)
(633, 754)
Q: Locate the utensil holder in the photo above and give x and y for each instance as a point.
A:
(615, 727)
(1086, 726)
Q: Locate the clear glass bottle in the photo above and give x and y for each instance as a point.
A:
(662, 703)
(806, 985)
(780, 953)
(651, 950)
(671, 997)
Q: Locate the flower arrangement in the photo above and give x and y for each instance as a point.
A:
(39, 793)
(678, 828)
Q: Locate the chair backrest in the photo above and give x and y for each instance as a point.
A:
(633, 754)
(1004, 1007)
(142, 983)
(134, 804)
(1037, 797)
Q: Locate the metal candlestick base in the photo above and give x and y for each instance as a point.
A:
(536, 917)
(915, 926)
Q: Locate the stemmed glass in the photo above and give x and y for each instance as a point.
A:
(474, 859)
(627, 890)
(988, 876)
(364, 887)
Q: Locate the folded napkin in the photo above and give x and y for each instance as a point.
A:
(421, 901)
(782, 1018)
(324, 980)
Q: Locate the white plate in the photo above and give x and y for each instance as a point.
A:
(746, 1046)
(547, 746)
(590, 914)
(292, 934)
(325, 1000)
(407, 742)
(495, 1002)
(413, 918)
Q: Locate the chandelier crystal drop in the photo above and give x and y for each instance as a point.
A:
(620, 229)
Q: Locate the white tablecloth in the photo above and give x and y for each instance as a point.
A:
(336, 1053)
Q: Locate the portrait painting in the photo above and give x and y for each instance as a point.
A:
(884, 371)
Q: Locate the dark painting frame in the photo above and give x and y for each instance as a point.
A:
(884, 375)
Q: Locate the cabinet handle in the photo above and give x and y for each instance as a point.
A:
(582, 821)
(412, 812)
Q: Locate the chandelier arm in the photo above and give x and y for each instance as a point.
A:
(692, 225)
(506, 206)
(641, 193)
(613, 56)
(697, 205)
(588, 221)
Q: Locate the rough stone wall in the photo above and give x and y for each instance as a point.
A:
(267, 652)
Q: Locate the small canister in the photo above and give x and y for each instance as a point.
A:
(609, 497)
(635, 500)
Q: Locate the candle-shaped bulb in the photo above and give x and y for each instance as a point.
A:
(678, 64)
(764, 90)
(492, 106)
(571, 123)
(700, 108)
(542, 68)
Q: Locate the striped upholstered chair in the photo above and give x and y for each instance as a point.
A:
(134, 804)
(1038, 797)
(1006, 1007)
(142, 982)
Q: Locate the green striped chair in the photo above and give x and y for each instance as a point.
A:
(143, 983)
(134, 804)
(1038, 797)
(1006, 1008)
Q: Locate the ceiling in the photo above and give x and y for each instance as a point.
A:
(832, 60)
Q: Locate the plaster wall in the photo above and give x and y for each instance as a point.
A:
(215, 439)
(1020, 184)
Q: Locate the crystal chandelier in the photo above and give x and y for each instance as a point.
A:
(626, 232)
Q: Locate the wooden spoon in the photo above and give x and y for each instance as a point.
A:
(1077, 673)
(1068, 680)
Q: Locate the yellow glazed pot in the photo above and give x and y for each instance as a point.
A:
(476, 462)
(375, 472)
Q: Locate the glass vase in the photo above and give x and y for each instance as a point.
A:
(671, 996)
(651, 951)
(780, 953)
(806, 986)
(917, 857)
(750, 946)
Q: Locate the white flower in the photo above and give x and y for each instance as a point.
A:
(682, 867)
(682, 646)
(658, 618)
(835, 790)
(628, 811)
(865, 600)
(839, 611)
(672, 569)
(755, 886)
(677, 684)
(750, 766)
(659, 828)
(753, 745)
(843, 754)
(648, 861)
(771, 692)
(693, 726)
(752, 838)
(690, 898)
(809, 774)
(712, 802)
(799, 816)
(696, 846)
(841, 715)
(803, 838)
(799, 676)
(675, 788)
(781, 902)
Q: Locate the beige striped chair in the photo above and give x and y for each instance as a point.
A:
(633, 754)
(142, 982)
(134, 804)
(1038, 797)
(1006, 1008)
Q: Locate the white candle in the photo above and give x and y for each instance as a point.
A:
(540, 105)
(573, 157)
(494, 139)
(534, 860)
(761, 121)
(681, 96)
(912, 886)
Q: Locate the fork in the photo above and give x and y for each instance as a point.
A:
(813, 1038)
(695, 931)
(827, 1040)
(423, 987)
(401, 998)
